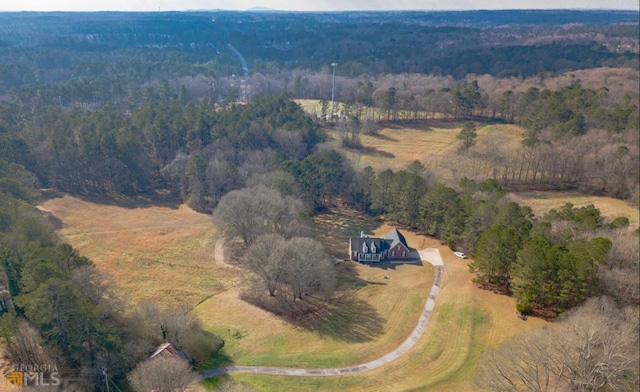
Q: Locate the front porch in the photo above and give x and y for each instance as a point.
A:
(369, 257)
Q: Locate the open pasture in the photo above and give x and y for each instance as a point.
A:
(373, 315)
(167, 254)
(431, 143)
(152, 253)
(542, 201)
(466, 321)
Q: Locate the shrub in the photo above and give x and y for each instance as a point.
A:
(524, 308)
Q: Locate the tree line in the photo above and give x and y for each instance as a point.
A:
(548, 263)
(199, 153)
(551, 262)
(57, 308)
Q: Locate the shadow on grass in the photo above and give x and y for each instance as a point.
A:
(213, 383)
(389, 265)
(152, 199)
(211, 371)
(375, 152)
(219, 358)
(346, 318)
(382, 137)
(336, 224)
(54, 222)
(444, 124)
(343, 318)
(224, 382)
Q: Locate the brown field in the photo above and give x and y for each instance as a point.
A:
(154, 252)
(429, 142)
(375, 319)
(433, 142)
(165, 253)
(542, 201)
(465, 322)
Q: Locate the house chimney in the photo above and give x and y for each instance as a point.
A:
(362, 234)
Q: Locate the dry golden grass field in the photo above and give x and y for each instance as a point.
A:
(167, 254)
(542, 201)
(431, 142)
(375, 316)
(465, 322)
(152, 252)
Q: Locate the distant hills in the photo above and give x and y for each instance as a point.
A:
(262, 9)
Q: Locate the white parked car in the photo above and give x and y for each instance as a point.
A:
(460, 255)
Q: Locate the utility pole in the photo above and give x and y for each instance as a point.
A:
(333, 89)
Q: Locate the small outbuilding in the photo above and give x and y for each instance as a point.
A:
(168, 350)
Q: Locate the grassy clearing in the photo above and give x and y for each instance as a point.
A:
(311, 106)
(465, 322)
(430, 142)
(542, 201)
(396, 146)
(370, 321)
(153, 253)
(166, 254)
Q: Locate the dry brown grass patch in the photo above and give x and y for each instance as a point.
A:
(167, 254)
(369, 316)
(152, 253)
(431, 142)
(542, 201)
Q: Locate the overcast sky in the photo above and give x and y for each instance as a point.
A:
(307, 5)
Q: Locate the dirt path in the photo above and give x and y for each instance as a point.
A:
(431, 255)
(218, 252)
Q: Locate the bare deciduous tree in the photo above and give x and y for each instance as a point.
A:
(178, 326)
(22, 341)
(595, 348)
(162, 375)
(251, 212)
(308, 269)
(265, 258)
(291, 269)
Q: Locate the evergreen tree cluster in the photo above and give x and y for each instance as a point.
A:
(550, 262)
(196, 151)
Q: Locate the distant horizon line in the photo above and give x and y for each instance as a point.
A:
(267, 10)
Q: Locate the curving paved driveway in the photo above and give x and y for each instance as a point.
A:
(431, 255)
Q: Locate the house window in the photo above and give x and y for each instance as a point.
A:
(364, 248)
(373, 248)
(404, 254)
(393, 254)
(398, 247)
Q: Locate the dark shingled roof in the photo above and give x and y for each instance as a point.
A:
(381, 244)
(391, 239)
(396, 237)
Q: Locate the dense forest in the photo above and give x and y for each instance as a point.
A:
(97, 58)
(200, 105)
